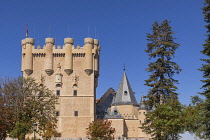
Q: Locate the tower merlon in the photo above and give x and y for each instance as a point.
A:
(88, 41)
(29, 41)
(69, 41)
(23, 42)
(50, 40)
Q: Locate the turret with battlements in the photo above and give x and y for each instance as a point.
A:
(71, 73)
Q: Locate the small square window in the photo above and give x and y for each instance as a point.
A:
(75, 92)
(75, 113)
(58, 92)
(57, 113)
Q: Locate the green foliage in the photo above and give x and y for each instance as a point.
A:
(20, 130)
(100, 130)
(165, 122)
(29, 103)
(161, 48)
(194, 116)
(50, 131)
(205, 106)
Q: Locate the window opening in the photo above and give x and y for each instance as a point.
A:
(57, 113)
(75, 92)
(58, 92)
(75, 113)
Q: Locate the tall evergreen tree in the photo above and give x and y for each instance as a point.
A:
(206, 74)
(161, 47)
(165, 121)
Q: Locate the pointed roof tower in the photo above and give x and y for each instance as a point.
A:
(124, 95)
(142, 104)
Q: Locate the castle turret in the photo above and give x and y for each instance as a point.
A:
(142, 110)
(49, 55)
(96, 58)
(68, 68)
(28, 66)
(89, 57)
(23, 44)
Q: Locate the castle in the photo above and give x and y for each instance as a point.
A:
(72, 73)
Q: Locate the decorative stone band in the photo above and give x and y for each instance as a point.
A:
(29, 41)
(50, 40)
(23, 42)
(69, 41)
(88, 41)
(68, 71)
(96, 42)
(29, 71)
(89, 71)
(49, 72)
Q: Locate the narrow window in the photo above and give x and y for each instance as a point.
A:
(125, 92)
(57, 113)
(75, 113)
(75, 92)
(115, 112)
(58, 92)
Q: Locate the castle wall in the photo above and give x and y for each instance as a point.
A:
(127, 111)
(72, 75)
(119, 125)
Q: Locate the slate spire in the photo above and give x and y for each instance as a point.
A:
(124, 95)
(142, 104)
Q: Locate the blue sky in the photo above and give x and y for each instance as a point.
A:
(120, 25)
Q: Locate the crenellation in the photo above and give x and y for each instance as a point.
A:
(89, 41)
(23, 42)
(29, 41)
(59, 47)
(50, 40)
(62, 68)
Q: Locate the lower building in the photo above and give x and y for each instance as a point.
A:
(123, 110)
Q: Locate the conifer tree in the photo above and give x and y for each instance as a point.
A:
(206, 74)
(164, 121)
(161, 48)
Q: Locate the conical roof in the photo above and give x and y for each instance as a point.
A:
(124, 95)
(142, 104)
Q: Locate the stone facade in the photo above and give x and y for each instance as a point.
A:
(72, 73)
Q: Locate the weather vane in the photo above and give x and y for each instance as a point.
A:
(124, 67)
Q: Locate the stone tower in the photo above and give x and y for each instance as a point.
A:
(72, 73)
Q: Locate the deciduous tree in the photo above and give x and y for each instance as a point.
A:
(100, 130)
(166, 122)
(29, 103)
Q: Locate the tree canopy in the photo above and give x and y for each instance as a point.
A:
(161, 48)
(26, 102)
